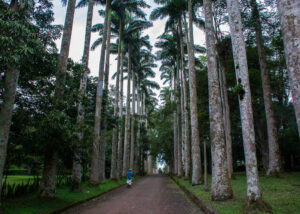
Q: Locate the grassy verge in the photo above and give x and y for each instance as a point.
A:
(282, 193)
(18, 179)
(33, 204)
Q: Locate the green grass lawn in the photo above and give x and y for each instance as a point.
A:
(31, 204)
(17, 179)
(281, 193)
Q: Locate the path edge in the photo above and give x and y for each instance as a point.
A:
(205, 208)
(74, 204)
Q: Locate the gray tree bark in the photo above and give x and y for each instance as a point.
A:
(114, 171)
(205, 168)
(226, 119)
(76, 170)
(6, 111)
(196, 153)
(120, 134)
(104, 107)
(94, 173)
(274, 152)
(48, 184)
(132, 138)
(186, 109)
(289, 15)
(138, 134)
(126, 154)
(175, 152)
(241, 68)
(220, 187)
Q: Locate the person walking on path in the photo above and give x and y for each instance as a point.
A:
(129, 177)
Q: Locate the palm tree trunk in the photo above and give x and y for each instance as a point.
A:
(48, 184)
(186, 109)
(120, 142)
(205, 168)
(138, 154)
(76, 171)
(6, 111)
(221, 187)
(132, 122)
(274, 153)
(179, 134)
(94, 174)
(105, 103)
(241, 68)
(289, 15)
(175, 128)
(226, 119)
(225, 103)
(196, 153)
(127, 122)
(114, 172)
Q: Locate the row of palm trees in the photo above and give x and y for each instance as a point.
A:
(124, 20)
(174, 43)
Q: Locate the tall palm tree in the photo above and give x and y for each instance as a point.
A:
(94, 174)
(274, 153)
(122, 8)
(196, 154)
(48, 184)
(169, 56)
(133, 42)
(242, 77)
(104, 106)
(221, 187)
(289, 15)
(76, 170)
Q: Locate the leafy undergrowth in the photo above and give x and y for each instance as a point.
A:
(31, 204)
(282, 193)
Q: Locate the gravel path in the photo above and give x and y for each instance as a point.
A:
(155, 194)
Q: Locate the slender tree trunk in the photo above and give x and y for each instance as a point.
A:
(241, 68)
(175, 129)
(132, 138)
(178, 119)
(289, 15)
(120, 141)
(226, 119)
(114, 171)
(221, 187)
(274, 153)
(76, 171)
(105, 103)
(205, 168)
(48, 185)
(127, 121)
(186, 110)
(179, 130)
(6, 111)
(138, 135)
(196, 153)
(94, 174)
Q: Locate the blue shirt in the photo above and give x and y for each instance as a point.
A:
(129, 175)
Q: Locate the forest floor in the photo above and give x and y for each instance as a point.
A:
(156, 194)
(282, 193)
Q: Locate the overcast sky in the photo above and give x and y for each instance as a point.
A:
(77, 41)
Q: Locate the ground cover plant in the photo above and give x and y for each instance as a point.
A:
(282, 193)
